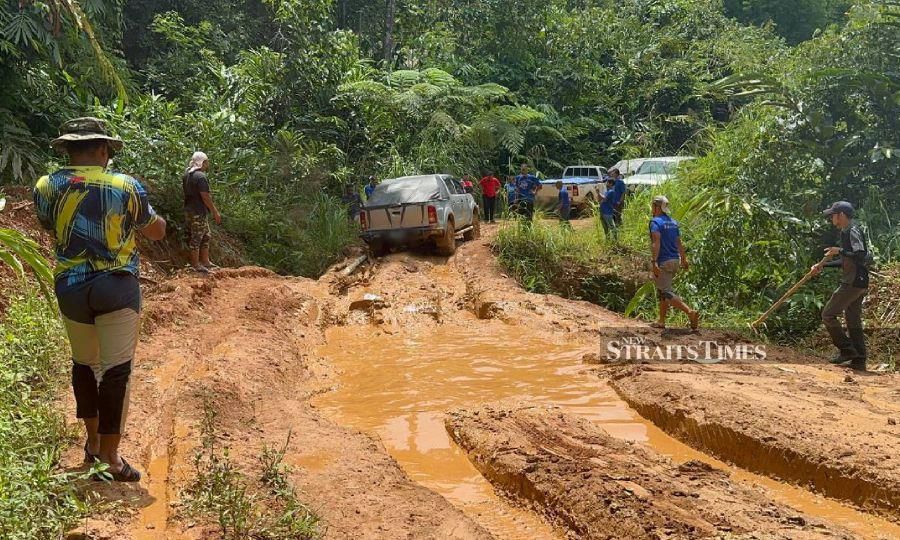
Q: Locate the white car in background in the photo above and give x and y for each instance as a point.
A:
(655, 171)
(628, 166)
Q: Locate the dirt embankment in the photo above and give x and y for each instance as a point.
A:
(601, 487)
(158, 259)
(819, 428)
(241, 343)
(245, 342)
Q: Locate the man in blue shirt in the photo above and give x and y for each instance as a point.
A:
(619, 190)
(668, 256)
(565, 203)
(511, 194)
(608, 210)
(370, 187)
(526, 186)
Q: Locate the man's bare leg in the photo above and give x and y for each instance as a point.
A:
(91, 425)
(204, 256)
(109, 452)
(663, 313)
(694, 316)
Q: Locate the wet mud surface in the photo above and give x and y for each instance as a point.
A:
(602, 487)
(823, 429)
(362, 370)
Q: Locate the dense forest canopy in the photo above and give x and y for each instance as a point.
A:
(790, 104)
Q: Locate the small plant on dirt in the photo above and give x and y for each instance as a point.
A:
(268, 511)
(219, 488)
(294, 519)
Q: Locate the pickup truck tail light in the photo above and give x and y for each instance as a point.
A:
(432, 215)
(362, 221)
(575, 191)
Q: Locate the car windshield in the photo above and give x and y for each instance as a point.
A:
(405, 190)
(656, 167)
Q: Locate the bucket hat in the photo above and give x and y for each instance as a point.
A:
(84, 129)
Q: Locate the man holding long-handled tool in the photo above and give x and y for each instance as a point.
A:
(848, 298)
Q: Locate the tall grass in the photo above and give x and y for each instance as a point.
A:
(537, 253)
(37, 500)
(717, 228)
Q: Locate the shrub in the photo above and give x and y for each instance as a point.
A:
(37, 500)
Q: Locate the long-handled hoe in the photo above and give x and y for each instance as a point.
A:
(809, 275)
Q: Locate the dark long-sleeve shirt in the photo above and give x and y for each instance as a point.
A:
(853, 257)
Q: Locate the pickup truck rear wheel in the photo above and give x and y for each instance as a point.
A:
(378, 247)
(475, 231)
(447, 244)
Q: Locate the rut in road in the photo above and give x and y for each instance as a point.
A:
(265, 352)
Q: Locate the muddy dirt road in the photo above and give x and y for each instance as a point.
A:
(363, 371)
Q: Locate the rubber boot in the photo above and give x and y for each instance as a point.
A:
(846, 351)
(858, 338)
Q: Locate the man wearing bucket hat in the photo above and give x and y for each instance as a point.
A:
(668, 257)
(93, 215)
(848, 298)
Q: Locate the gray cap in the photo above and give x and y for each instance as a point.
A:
(661, 201)
(840, 207)
(84, 129)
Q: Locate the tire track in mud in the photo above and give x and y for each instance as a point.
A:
(238, 343)
(252, 339)
(470, 288)
(783, 450)
(602, 487)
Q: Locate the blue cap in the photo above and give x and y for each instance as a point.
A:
(840, 207)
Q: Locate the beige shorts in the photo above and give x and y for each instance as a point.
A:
(667, 272)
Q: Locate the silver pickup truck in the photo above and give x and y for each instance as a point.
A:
(415, 210)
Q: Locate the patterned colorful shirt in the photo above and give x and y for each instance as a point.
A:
(93, 215)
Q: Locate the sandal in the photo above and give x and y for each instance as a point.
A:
(89, 457)
(200, 269)
(126, 474)
(659, 325)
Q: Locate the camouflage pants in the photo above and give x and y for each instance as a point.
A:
(197, 228)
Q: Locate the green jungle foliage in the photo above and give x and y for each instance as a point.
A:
(295, 99)
(37, 500)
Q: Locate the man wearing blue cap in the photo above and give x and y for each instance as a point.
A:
(848, 298)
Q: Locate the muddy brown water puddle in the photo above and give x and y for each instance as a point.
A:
(398, 387)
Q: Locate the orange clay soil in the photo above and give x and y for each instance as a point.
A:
(247, 344)
(601, 487)
(240, 342)
(818, 427)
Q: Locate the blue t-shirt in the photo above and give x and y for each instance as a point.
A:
(619, 190)
(564, 200)
(511, 193)
(608, 206)
(668, 237)
(369, 189)
(526, 184)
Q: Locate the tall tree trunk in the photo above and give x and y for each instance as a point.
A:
(389, 32)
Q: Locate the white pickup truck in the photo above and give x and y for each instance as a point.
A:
(414, 210)
(584, 183)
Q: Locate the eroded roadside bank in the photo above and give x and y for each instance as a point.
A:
(432, 338)
(360, 372)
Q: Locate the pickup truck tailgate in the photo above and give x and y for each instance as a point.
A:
(404, 216)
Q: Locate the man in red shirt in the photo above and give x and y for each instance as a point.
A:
(490, 185)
